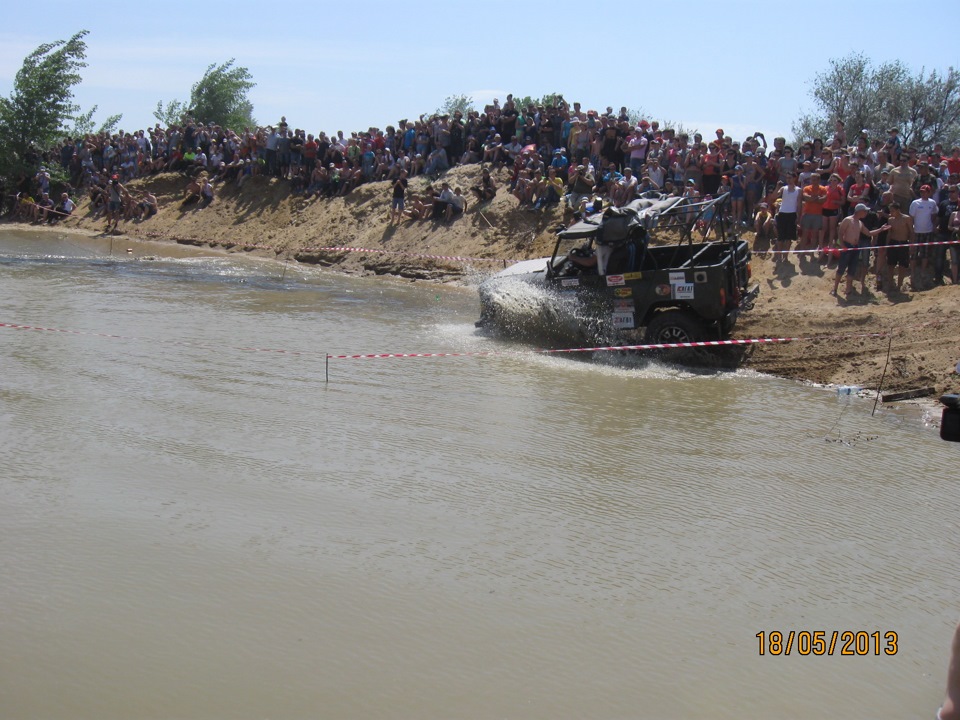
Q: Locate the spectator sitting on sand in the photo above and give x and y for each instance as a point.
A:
(764, 225)
(64, 208)
(420, 206)
(147, 205)
(487, 189)
(549, 190)
(200, 190)
(456, 203)
(44, 207)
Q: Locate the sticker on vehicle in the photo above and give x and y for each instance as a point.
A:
(623, 292)
(615, 280)
(683, 292)
(623, 305)
(623, 320)
(570, 282)
(663, 290)
(678, 278)
(630, 277)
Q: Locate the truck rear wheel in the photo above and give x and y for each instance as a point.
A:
(673, 326)
(676, 326)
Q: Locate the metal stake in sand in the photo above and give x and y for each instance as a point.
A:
(882, 376)
(327, 369)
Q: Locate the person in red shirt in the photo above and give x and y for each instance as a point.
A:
(953, 162)
(831, 210)
(811, 214)
(309, 152)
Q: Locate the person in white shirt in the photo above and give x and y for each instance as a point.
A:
(786, 220)
(924, 212)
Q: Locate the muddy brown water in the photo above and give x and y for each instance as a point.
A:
(195, 524)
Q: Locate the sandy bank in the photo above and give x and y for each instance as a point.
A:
(263, 218)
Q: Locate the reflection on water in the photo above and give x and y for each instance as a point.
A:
(196, 525)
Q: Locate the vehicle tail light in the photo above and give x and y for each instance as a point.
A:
(723, 297)
(749, 270)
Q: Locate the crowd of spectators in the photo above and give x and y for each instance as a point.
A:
(556, 155)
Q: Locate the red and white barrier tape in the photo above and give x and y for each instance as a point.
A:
(865, 247)
(339, 248)
(456, 258)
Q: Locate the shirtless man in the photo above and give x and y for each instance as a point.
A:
(900, 233)
(849, 232)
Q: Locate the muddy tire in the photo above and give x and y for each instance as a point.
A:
(676, 326)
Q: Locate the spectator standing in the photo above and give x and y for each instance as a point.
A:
(924, 212)
(811, 214)
(397, 203)
(901, 180)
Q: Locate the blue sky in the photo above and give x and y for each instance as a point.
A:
(739, 65)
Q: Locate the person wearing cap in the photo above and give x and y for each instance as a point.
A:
(924, 212)
(559, 163)
(849, 233)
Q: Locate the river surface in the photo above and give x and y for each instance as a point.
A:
(195, 524)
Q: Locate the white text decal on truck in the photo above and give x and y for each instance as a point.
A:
(683, 292)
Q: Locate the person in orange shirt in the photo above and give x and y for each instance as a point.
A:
(811, 214)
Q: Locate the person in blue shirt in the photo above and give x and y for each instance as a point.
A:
(560, 162)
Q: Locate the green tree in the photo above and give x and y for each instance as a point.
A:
(171, 114)
(220, 97)
(872, 99)
(83, 124)
(548, 100)
(34, 115)
(453, 103)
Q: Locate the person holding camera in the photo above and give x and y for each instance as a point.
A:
(581, 186)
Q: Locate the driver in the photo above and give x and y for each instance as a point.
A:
(584, 256)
